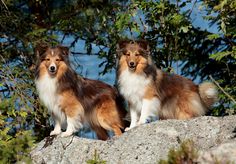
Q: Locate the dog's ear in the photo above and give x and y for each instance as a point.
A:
(65, 50)
(144, 45)
(120, 46)
(40, 49)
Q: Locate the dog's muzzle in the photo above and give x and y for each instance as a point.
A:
(132, 65)
(52, 69)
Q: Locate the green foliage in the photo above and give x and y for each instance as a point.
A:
(186, 153)
(15, 147)
(20, 113)
(225, 53)
(96, 159)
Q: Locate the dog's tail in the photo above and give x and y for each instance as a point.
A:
(208, 93)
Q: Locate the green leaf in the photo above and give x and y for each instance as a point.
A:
(213, 36)
(23, 114)
(185, 29)
(218, 56)
(223, 27)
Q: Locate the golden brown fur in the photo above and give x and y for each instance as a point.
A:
(176, 97)
(74, 100)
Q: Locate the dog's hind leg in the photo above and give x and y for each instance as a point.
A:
(108, 116)
(116, 130)
(101, 133)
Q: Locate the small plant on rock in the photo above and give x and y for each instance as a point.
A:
(187, 153)
(96, 159)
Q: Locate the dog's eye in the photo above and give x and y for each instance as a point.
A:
(58, 59)
(136, 54)
(45, 59)
(128, 54)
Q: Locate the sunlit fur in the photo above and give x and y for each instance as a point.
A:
(73, 100)
(152, 93)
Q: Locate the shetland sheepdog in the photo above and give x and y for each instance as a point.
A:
(73, 100)
(154, 94)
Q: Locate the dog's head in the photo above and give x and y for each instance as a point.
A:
(134, 53)
(51, 59)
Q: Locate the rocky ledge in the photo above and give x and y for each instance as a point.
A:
(213, 137)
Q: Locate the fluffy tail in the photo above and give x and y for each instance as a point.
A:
(208, 93)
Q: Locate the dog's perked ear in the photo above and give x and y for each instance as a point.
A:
(120, 46)
(64, 50)
(40, 49)
(144, 46)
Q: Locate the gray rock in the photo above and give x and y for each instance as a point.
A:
(223, 153)
(147, 143)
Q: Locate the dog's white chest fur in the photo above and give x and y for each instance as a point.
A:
(132, 86)
(47, 87)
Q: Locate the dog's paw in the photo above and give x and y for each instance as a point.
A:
(141, 122)
(148, 120)
(127, 129)
(66, 134)
(54, 132)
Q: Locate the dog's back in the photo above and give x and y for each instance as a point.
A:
(182, 99)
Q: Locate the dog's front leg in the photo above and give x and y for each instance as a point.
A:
(149, 110)
(134, 117)
(70, 129)
(57, 128)
(73, 124)
(58, 119)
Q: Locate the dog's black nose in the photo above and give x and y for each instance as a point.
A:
(52, 68)
(131, 63)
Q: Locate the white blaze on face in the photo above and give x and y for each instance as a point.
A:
(52, 67)
(52, 52)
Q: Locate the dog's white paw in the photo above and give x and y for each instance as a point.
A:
(127, 129)
(141, 123)
(66, 134)
(55, 132)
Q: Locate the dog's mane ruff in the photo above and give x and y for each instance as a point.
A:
(75, 83)
(70, 81)
(150, 70)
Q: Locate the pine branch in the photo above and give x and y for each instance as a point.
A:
(218, 85)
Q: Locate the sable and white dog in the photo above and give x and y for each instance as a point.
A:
(152, 93)
(74, 100)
